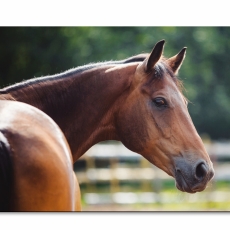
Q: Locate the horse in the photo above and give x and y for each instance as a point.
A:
(138, 101)
(36, 165)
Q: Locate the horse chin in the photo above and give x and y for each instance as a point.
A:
(184, 187)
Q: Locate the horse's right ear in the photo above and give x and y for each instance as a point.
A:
(176, 61)
(154, 57)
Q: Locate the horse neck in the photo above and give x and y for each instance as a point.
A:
(83, 104)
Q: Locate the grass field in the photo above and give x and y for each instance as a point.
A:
(214, 198)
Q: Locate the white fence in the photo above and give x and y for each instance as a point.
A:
(116, 166)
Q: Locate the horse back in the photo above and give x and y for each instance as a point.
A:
(35, 161)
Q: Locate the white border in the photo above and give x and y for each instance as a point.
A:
(114, 13)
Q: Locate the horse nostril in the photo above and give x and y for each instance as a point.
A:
(201, 171)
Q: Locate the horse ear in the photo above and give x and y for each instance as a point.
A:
(176, 61)
(154, 56)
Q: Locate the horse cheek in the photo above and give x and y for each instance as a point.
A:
(132, 128)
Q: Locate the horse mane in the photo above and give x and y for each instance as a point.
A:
(70, 72)
(160, 69)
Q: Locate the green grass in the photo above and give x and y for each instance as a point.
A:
(214, 198)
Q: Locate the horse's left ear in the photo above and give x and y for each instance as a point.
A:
(154, 57)
(176, 61)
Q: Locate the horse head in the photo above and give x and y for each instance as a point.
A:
(154, 121)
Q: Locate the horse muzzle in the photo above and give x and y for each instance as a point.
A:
(192, 177)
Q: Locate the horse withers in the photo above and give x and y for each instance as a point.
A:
(137, 101)
(36, 166)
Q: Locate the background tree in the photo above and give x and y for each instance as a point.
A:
(28, 52)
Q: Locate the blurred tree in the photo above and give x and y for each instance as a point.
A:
(28, 52)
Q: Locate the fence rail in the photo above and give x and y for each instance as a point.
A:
(107, 171)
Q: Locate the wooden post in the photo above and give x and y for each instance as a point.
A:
(114, 186)
(90, 164)
(145, 184)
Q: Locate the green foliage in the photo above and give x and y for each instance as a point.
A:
(37, 51)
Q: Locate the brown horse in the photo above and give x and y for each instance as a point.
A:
(36, 166)
(137, 101)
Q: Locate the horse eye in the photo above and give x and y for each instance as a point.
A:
(160, 102)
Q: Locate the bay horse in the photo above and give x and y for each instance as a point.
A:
(137, 101)
(36, 165)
